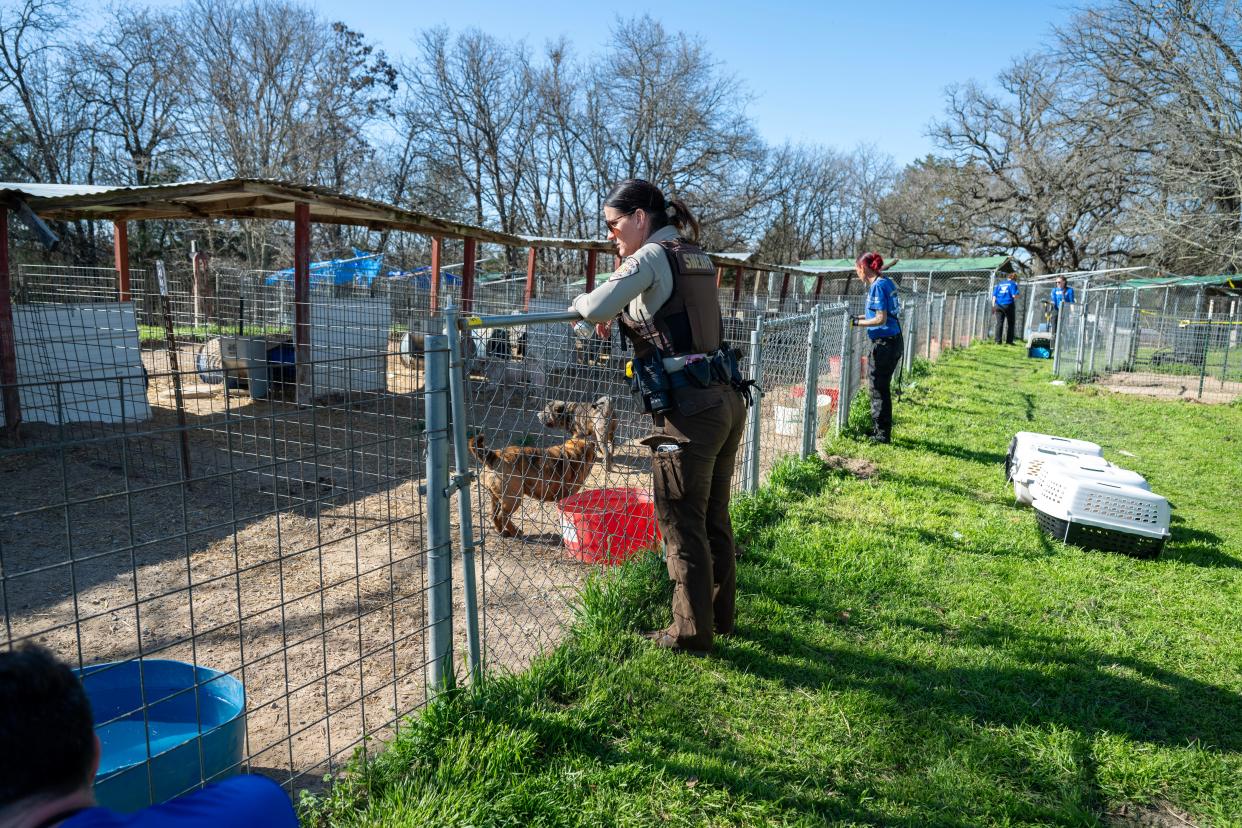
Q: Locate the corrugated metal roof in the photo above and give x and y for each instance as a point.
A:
(271, 199)
(1227, 280)
(914, 265)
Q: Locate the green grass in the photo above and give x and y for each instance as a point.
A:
(201, 333)
(911, 651)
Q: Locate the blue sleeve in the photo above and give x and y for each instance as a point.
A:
(1069, 294)
(239, 802)
(875, 297)
(1016, 292)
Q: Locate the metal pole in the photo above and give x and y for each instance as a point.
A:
(1224, 366)
(1082, 326)
(171, 343)
(756, 373)
(1061, 315)
(811, 382)
(303, 369)
(461, 483)
(944, 300)
(1095, 334)
(439, 533)
(844, 389)
(8, 337)
(930, 331)
(1112, 340)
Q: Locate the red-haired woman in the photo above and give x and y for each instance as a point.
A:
(883, 324)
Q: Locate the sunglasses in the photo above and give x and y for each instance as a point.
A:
(612, 225)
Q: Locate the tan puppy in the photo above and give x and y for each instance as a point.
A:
(552, 473)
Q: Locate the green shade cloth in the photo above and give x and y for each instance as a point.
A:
(919, 265)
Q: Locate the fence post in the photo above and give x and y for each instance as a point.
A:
(810, 407)
(461, 485)
(756, 373)
(845, 391)
(910, 342)
(439, 533)
(1082, 327)
(1112, 340)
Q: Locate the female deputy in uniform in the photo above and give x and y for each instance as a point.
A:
(665, 300)
(884, 330)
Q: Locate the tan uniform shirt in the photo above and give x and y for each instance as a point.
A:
(644, 282)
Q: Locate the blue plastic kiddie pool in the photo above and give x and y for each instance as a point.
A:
(165, 727)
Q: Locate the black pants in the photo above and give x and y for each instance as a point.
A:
(1004, 315)
(885, 357)
(693, 457)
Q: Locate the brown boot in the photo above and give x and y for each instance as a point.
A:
(665, 640)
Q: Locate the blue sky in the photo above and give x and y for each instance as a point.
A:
(835, 73)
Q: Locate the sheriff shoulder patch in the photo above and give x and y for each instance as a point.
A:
(628, 268)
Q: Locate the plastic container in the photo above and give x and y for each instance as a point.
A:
(1025, 442)
(608, 525)
(788, 421)
(1046, 465)
(824, 398)
(1096, 514)
(166, 727)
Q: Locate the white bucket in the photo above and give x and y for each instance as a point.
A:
(788, 421)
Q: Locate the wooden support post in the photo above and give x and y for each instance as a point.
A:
(437, 248)
(301, 300)
(784, 291)
(530, 279)
(8, 337)
(719, 276)
(120, 255)
(467, 276)
(590, 270)
(819, 284)
(737, 285)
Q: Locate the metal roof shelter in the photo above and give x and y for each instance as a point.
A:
(273, 200)
(1232, 281)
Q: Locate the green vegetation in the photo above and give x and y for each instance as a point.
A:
(201, 333)
(911, 651)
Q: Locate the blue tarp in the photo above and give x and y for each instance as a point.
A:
(359, 270)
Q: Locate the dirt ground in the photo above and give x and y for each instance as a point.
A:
(1172, 386)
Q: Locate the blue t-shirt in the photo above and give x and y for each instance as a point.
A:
(238, 802)
(882, 296)
(1060, 295)
(1005, 292)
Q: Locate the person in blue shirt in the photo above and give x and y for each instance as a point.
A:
(883, 323)
(1061, 294)
(49, 754)
(1004, 304)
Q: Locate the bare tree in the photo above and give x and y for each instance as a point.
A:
(1171, 73)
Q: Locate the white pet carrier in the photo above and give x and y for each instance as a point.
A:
(1026, 442)
(1098, 514)
(1027, 470)
(1084, 468)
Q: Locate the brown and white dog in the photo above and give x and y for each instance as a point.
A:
(551, 473)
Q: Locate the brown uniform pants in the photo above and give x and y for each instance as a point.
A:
(694, 453)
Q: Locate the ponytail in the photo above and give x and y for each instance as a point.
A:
(679, 216)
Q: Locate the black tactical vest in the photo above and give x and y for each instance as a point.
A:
(690, 321)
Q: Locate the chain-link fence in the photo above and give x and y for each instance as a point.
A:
(1117, 335)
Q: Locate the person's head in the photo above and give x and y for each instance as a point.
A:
(869, 266)
(1061, 281)
(50, 750)
(634, 209)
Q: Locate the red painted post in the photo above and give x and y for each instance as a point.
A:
(301, 299)
(590, 270)
(719, 276)
(120, 255)
(437, 247)
(8, 338)
(467, 276)
(737, 285)
(530, 279)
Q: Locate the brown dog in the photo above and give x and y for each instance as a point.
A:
(552, 473)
